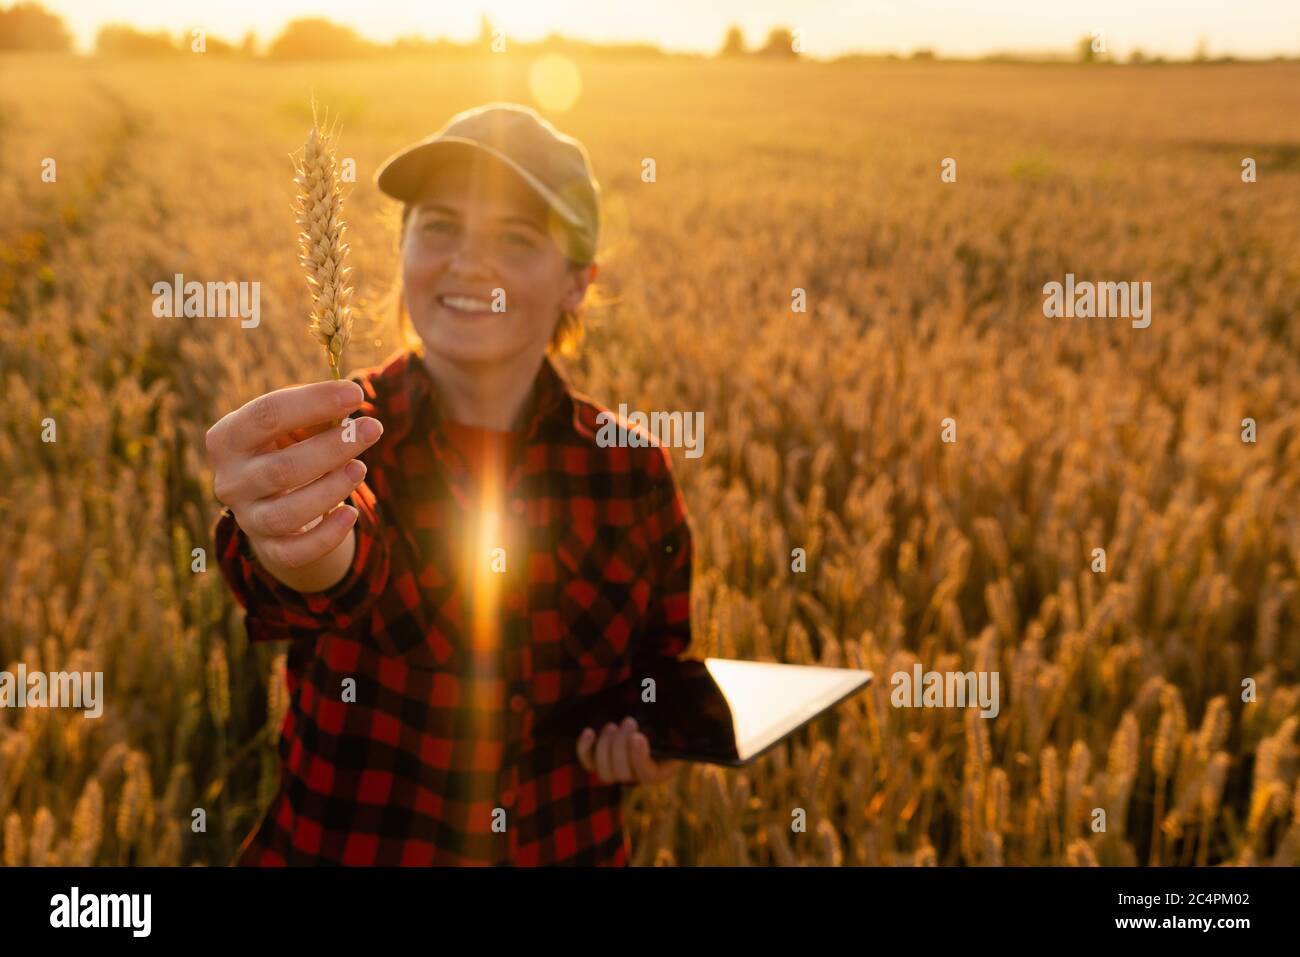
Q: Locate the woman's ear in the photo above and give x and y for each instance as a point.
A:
(580, 278)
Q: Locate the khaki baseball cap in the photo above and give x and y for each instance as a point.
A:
(552, 163)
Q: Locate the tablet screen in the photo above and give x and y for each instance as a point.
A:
(718, 710)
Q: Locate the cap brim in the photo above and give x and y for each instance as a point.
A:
(403, 175)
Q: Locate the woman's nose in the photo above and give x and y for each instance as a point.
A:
(469, 254)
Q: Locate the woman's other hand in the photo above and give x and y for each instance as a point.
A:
(622, 754)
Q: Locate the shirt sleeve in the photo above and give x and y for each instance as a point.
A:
(668, 530)
(274, 611)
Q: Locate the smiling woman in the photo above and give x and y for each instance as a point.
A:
(505, 560)
(499, 223)
(477, 247)
(478, 199)
(426, 227)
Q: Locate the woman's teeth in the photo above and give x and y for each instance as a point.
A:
(465, 304)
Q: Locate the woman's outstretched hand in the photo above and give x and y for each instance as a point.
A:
(622, 753)
(281, 462)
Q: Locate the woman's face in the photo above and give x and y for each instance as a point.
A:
(478, 232)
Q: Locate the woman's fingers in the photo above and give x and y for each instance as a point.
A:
(646, 769)
(283, 460)
(622, 753)
(307, 547)
(264, 419)
(271, 473)
(586, 745)
(286, 439)
(294, 436)
(611, 754)
(603, 747)
(274, 414)
(289, 512)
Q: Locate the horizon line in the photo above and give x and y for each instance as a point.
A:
(85, 44)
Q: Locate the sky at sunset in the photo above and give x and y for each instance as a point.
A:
(830, 27)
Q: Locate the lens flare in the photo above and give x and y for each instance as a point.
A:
(555, 82)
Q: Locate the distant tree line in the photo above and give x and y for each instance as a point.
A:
(780, 43)
(29, 26)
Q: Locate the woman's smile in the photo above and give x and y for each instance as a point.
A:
(463, 306)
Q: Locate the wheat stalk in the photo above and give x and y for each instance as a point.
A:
(1080, 854)
(42, 837)
(277, 697)
(219, 686)
(1211, 794)
(87, 824)
(321, 240)
(1162, 759)
(15, 841)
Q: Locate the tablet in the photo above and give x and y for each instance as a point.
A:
(718, 711)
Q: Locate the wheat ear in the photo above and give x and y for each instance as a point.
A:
(324, 251)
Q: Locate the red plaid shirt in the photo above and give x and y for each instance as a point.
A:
(473, 605)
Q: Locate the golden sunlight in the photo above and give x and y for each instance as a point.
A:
(487, 580)
(555, 82)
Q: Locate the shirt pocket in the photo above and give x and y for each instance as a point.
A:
(603, 593)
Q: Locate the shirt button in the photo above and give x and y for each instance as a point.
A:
(508, 797)
(518, 702)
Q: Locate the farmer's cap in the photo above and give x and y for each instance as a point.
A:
(553, 164)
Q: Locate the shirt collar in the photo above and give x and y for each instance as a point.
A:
(554, 406)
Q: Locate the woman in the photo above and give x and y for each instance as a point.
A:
(482, 558)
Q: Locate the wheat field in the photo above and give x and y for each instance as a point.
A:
(1121, 690)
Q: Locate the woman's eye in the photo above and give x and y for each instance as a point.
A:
(519, 239)
(438, 226)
